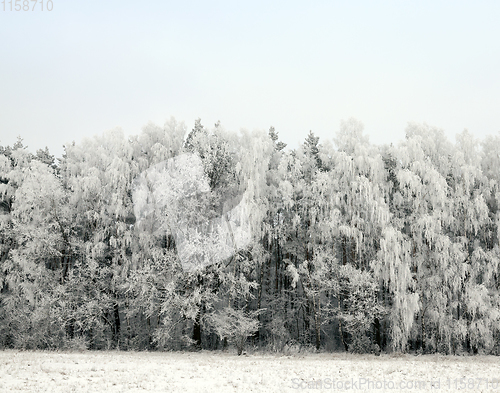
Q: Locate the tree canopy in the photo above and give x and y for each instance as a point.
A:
(172, 240)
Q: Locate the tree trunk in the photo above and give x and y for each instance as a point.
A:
(306, 315)
(341, 331)
(423, 332)
(259, 299)
(116, 330)
(317, 323)
(197, 328)
(378, 338)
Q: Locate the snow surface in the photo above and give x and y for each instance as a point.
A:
(115, 371)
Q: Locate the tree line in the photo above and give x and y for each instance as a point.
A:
(354, 246)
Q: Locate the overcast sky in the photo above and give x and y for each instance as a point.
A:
(90, 66)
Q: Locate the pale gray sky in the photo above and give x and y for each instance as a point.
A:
(89, 66)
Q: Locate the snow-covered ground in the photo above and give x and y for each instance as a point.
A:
(115, 371)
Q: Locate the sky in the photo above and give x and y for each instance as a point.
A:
(90, 66)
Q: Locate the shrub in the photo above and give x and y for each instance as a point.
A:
(235, 325)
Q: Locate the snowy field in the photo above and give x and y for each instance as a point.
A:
(225, 372)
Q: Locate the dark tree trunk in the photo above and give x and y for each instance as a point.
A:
(197, 329)
(423, 332)
(378, 338)
(342, 336)
(116, 331)
(306, 315)
(257, 336)
(317, 329)
(70, 330)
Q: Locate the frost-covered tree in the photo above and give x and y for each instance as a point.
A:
(98, 172)
(418, 240)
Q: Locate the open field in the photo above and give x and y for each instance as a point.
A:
(115, 371)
